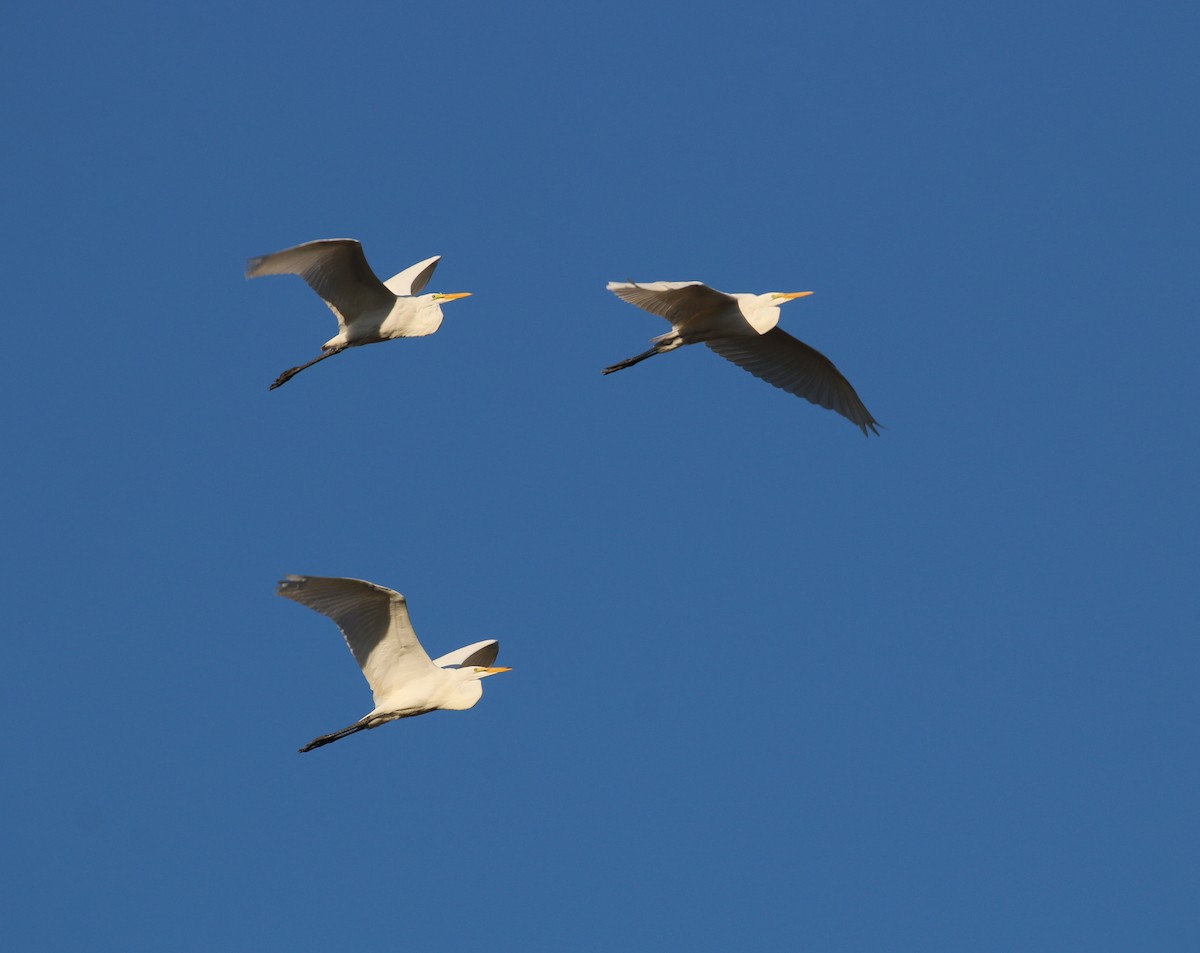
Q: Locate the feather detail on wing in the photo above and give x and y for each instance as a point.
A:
(791, 365)
(336, 269)
(477, 653)
(374, 621)
(413, 279)
(673, 300)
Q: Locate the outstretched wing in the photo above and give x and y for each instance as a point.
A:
(413, 279)
(477, 653)
(677, 301)
(778, 358)
(374, 621)
(336, 269)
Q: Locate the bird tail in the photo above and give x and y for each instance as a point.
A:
(338, 735)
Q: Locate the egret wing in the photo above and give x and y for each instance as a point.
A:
(477, 653)
(374, 621)
(778, 358)
(677, 301)
(336, 269)
(413, 279)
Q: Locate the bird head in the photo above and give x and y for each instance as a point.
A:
(762, 311)
(479, 671)
(463, 686)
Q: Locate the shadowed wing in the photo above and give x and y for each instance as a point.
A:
(677, 301)
(374, 620)
(477, 653)
(778, 358)
(413, 279)
(336, 269)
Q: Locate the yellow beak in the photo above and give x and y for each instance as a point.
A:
(451, 297)
(496, 671)
(793, 294)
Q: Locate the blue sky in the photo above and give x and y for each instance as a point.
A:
(775, 685)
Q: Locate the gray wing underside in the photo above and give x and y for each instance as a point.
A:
(673, 300)
(336, 269)
(477, 653)
(413, 279)
(791, 365)
(374, 621)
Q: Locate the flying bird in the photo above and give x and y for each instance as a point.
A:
(403, 679)
(742, 328)
(367, 310)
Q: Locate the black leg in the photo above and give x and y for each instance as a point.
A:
(337, 735)
(293, 371)
(632, 361)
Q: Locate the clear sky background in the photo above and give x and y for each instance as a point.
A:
(776, 686)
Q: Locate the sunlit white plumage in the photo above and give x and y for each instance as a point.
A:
(367, 310)
(403, 679)
(742, 328)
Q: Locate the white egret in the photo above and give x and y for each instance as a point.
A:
(742, 328)
(403, 679)
(367, 310)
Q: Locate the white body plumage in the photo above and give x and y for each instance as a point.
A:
(743, 329)
(367, 310)
(404, 680)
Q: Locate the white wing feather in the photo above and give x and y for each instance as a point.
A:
(375, 623)
(336, 269)
(791, 365)
(676, 301)
(477, 653)
(413, 279)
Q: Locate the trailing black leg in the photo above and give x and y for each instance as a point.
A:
(337, 735)
(632, 361)
(293, 371)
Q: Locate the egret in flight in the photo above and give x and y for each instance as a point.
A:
(367, 310)
(403, 679)
(742, 328)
